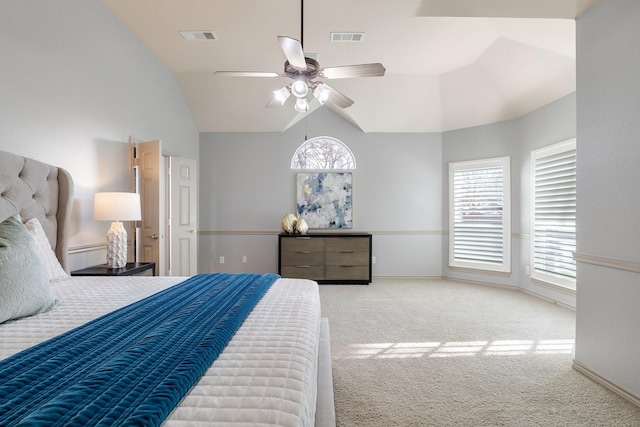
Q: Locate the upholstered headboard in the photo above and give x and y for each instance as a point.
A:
(37, 190)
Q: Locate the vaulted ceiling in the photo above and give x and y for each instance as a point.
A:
(450, 64)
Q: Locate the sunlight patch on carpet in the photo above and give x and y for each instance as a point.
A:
(458, 349)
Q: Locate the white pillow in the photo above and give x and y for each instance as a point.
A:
(45, 253)
(24, 287)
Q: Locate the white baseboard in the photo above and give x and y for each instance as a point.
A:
(546, 298)
(407, 277)
(606, 383)
(481, 283)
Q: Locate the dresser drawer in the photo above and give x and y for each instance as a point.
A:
(344, 273)
(347, 258)
(302, 257)
(347, 244)
(302, 272)
(301, 244)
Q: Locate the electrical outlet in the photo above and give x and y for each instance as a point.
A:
(221, 260)
(373, 260)
(244, 259)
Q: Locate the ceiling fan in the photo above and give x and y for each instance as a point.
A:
(304, 72)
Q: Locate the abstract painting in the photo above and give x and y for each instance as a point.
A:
(324, 199)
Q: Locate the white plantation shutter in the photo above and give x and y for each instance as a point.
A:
(554, 214)
(480, 215)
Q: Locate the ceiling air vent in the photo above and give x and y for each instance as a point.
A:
(198, 35)
(347, 37)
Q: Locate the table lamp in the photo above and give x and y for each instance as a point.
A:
(116, 207)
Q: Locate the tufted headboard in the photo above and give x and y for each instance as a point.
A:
(37, 190)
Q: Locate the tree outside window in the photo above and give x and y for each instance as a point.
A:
(323, 152)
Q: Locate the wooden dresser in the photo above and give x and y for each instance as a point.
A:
(326, 257)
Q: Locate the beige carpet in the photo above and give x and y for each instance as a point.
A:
(416, 352)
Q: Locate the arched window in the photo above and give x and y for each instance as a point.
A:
(323, 152)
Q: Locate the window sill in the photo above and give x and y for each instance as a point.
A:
(479, 271)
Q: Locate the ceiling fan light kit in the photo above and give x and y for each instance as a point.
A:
(303, 70)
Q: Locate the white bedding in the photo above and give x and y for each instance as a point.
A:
(267, 375)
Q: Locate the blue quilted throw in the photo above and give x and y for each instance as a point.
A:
(132, 366)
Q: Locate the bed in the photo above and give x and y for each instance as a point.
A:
(275, 368)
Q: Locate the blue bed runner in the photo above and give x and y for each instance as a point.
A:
(132, 366)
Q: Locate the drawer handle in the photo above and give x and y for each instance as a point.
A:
(303, 252)
(303, 266)
(349, 266)
(304, 238)
(347, 252)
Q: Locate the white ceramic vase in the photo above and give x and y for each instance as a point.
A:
(289, 223)
(302, 226)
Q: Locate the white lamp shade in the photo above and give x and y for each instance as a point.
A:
(116, 206)
(299, 89)
(301, 105)
(321, 93)
(282, 94)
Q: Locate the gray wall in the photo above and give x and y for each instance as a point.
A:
(548, 125)
(400, 191)
(247, 186)
(607, 344)
(75, 84)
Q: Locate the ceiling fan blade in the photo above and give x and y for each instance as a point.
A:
(293, 51)
(245, 74)
(349, 71)
(338, 98)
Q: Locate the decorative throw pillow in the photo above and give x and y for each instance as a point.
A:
(24, 285)
(45, 253)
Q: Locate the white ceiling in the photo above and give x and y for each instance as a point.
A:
(450, 64)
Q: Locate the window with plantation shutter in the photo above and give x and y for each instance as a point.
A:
(480, 215)
(553, 239)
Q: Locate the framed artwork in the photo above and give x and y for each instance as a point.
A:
(324, 200)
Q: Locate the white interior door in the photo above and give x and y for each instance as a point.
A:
(183, 222)
(150, 172)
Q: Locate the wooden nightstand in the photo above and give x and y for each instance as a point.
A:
(131, 269)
